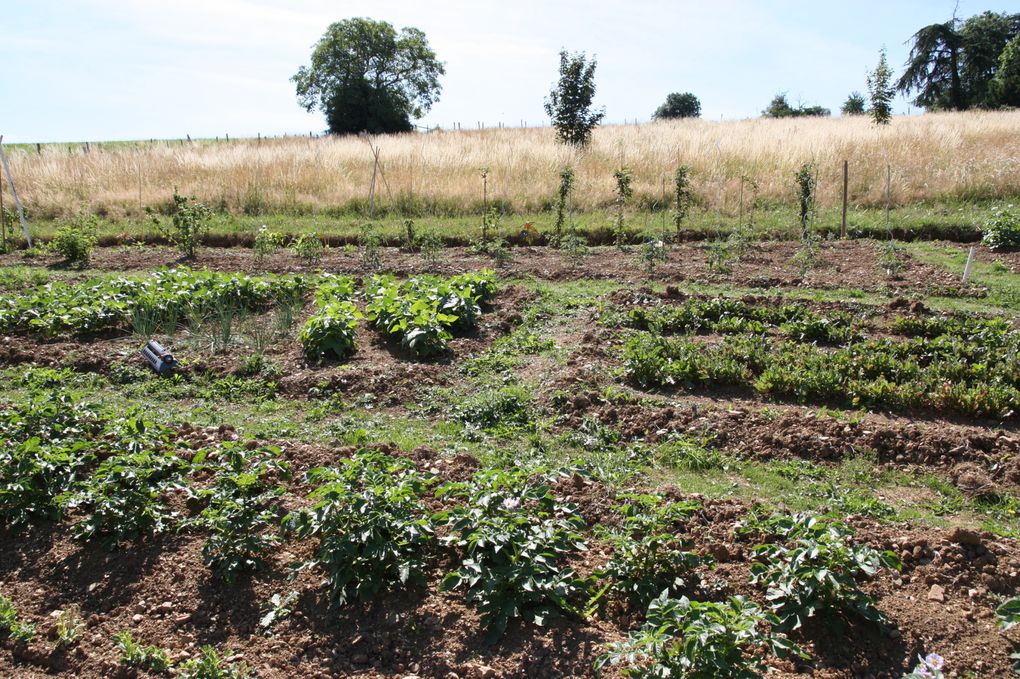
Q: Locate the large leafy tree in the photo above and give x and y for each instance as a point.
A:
(569, 104)
(984, 37)
(366, 77)
(679, 105)
(952, 64)
(1005, 86)
(933, 68)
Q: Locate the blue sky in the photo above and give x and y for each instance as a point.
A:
(109, 69)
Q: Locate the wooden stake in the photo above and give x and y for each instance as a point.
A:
(846, 192)
(14, 192)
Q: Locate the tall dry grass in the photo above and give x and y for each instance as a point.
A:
(931, 157)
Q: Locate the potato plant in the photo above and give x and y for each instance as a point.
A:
(370, 525)
(513, 535)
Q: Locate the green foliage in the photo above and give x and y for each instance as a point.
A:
(69, 626)
(502, 408)
(683, 197)
(513, 535)
(330, 331)
(855, 105)
(122, 500)
(308, 248)
(806, 257)
(189, 223)
(575, 247)
(424, 310)
(75, 240)
(148, 658)
(562, 201)
(806, 181)
(1008, 613)
(881, 91)
(10, 626)
(430, 246)
(366, 77)
(720, 257)
(209, 665)
(686, 639)
(679, 105)
(814, 568)
(624, 191)
(266, 243)
(239, 510)
(652, 253)
(275, 609)
(956, 65)
(569, 104)
(371, 246)
(1002, 230)
(649, 557)
(44, 452)
(162, 297)
(369, 519)
(1004, 88)
(779, 107)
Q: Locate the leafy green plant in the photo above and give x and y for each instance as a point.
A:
(889, 257)
(430, 246)
(371, 247)
(624, 191)
(369, 520)
(562, 202)
(513, 535)
(814, 568)
(210, 665)
(720, 258)
(648, 555)
(76, 239)
(331, 330)
(575, 247)
(10, 626)
(189, 223)
(507, 407)
(239, 511)
(1002, 230)
(266, 243)
(122, 499)
(698, 640)
(70, 626)
(683, 198)
(308, 248)
(275, 609)
(1008, 613)
(652, 253)
(806, 185)
(149, 658)
(806, 256)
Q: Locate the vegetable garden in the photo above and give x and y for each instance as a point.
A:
(411, 466)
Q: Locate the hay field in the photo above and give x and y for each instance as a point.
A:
(933, 157)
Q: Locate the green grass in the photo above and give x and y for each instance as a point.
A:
(1002, 284)
(950, 220)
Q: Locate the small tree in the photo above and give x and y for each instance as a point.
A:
(190, 223)
(854, 105)
(569, 103)
(562, 198)
(682, 197)
(881, 91)
(806, 193)
(623, 193)
(779, 107)
(678, 105)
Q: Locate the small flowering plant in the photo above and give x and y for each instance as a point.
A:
(928, 667)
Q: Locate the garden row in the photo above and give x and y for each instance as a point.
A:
(113, 480)
(422, 312)
(957, 364)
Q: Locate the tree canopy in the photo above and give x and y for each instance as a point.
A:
(679, 105)
(779, 107)
(366, 77)
(855, 105)
(951, 64)
(569, 103)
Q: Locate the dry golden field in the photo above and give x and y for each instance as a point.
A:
(949, 156)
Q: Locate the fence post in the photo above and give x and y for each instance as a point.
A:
(846, 181)
(966, 268)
